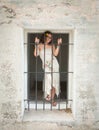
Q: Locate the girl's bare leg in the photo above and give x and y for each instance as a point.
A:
(52, 93)
(52, 96)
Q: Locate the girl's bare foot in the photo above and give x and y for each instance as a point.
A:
(54, 103)
(48, 98)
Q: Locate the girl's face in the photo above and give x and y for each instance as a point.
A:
(48, 38)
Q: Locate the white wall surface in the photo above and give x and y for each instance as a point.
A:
(82, 17)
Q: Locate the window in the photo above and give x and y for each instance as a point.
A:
(34, 74)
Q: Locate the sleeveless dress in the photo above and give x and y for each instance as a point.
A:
(51, 71)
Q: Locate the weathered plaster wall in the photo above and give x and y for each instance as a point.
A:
(87, 74)
(11, 78)
(82, 16)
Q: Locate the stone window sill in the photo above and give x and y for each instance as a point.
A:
(57, 116)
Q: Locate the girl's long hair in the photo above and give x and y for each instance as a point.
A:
(43, 37)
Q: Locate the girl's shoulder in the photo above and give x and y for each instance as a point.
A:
(41, 46)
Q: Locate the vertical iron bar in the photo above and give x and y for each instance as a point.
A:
(44, 79)
(67, 73)
(28, 105)
(59, 76)
(24, 71)
(51, 73)
(67, 90)
(66, 103)
(36, 78)
(28, 75)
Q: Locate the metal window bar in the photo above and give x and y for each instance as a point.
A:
(59, 76)
(67, 78)
(44, 80)
(46, 72)
(28, 100)
(28, 73)
(36, 77)
(51, 74)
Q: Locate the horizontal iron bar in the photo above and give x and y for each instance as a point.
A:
(63, 44)
(33, 100)
(49, 72)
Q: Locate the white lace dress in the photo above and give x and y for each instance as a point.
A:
(51, 71)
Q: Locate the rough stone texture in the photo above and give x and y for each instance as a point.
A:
(87, 63)
(45, 126)
(11, 73)
(82, 16)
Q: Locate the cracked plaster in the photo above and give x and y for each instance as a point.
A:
(29, 13)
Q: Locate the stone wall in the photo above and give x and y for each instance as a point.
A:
(80, 16)
(86, 74)
(11, 72)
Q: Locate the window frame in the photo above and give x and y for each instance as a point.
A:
(70, 62)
